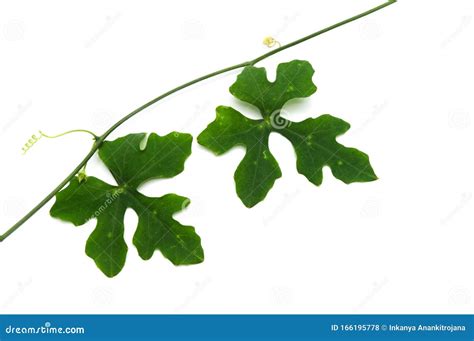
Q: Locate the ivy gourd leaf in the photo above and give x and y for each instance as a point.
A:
(293, 80)
(314, 139)
(258, 170)
(131, 166)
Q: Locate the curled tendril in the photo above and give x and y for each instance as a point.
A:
(34, 138)
(31, 142)
(271, 42)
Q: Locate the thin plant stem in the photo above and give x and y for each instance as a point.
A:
(100, 139)
(70, 132)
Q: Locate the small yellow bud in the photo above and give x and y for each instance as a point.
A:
(270, 42)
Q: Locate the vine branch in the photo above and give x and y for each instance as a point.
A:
(100, 139)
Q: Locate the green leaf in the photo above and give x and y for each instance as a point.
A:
(258, 171)
(314, 140)
(158, 230)
(162, 157)
(293, 80)
(132, 163)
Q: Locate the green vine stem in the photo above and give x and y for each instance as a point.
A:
(100, 139)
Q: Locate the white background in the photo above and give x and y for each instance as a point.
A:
(402, 77)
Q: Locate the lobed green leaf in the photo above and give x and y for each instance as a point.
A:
(314, 139)
(132, 163)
